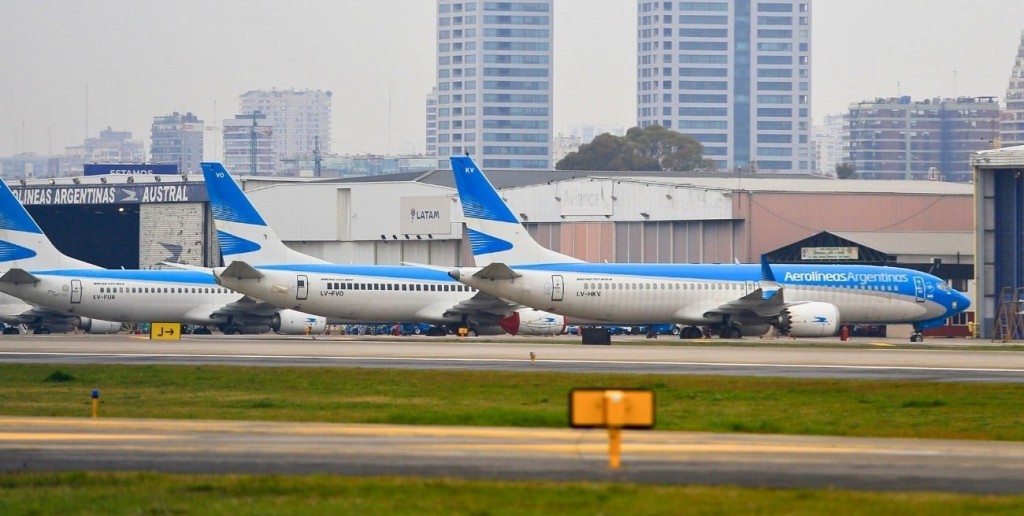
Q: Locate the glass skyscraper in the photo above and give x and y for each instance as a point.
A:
(494, 83)
(735, 75)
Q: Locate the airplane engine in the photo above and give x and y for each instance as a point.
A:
(810, 320)
(98, 325)
(291, 322)
(527, 321)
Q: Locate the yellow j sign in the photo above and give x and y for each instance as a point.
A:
(165, 331)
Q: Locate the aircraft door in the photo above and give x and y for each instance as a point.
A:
(919, 289)
(76, 291)
(301, 287)
(557, 287)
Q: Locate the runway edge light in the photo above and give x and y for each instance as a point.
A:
(613, 409)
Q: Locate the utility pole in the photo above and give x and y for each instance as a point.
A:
(317, 158)
(252, 146)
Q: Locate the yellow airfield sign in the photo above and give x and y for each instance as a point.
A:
(165, 331)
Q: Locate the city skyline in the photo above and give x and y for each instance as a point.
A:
(378, 59)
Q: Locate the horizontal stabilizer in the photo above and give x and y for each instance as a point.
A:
(241, 270)
(497, 271)
(18, 277)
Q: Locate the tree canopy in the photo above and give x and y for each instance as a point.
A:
(845, 170)
(651, 148)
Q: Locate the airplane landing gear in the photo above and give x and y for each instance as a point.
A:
(916, 336)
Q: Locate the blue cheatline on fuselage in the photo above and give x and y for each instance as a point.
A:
(231, 244)
(227, 200)
(156, 276)
(403, 272)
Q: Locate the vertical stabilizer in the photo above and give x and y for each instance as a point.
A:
(495, 233)
(241, 231)
(23, 244)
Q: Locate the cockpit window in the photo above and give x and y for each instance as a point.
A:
(942, 286)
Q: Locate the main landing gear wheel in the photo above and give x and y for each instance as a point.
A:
(916, 337)
(731, 333)
(691, 332)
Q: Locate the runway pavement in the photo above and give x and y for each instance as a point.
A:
(951, 363)
(38, 444)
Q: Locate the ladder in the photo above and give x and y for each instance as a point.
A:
(1009, 322)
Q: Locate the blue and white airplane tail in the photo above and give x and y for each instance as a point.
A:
(23, 244)
(495, 233)
(243, 234)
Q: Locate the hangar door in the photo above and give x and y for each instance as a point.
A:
(171, 232)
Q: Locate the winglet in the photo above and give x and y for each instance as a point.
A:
(766, 269)
(769, 286)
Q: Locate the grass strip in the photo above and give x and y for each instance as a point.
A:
(150, 493)
(494, 398)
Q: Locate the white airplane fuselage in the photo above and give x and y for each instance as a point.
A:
(128, 295)
(404, 294)
(675, 293)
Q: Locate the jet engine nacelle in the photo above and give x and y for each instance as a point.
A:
(527, 321)
(98, 325)
(813, 319)
(292, 322)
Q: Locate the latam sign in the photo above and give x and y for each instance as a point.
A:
(425, 215)
(130, 169)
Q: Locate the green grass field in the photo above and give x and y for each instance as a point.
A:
(490, 398)
(495, 398)
(147, 493)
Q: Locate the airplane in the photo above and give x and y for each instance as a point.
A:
(260, 265)
(38, 273)
(732, 300)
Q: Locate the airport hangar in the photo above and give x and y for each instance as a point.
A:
(140, 220)
(999, 244)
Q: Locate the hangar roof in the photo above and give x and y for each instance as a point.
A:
(1005, 157)
(749, 182)
(918, 242)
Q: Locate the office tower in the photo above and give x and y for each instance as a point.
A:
(298, 118)
(249, 145)
(178, 139)
(494, 82)
(432, 123)
(734, 75)
(1012, 130)
(899, 138)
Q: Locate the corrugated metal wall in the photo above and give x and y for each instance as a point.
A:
(172, 232)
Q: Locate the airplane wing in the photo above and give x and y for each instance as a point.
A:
(497, 271)
(247, 307)
(759, 303)
(241, 270)
(483, 307)
(18, 277)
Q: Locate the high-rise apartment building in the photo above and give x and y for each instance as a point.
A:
(735, 75)
(249, 145)
(1012, 130)
(298, 119)
(494, 82)
(828, 144)
(177, 139)
(898, 138)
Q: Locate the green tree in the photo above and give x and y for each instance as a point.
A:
(845, 170)
(651, 148)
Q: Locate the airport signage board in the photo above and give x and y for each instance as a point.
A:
(425, 215)
(829, 253)
(111, 194)
(129, 169)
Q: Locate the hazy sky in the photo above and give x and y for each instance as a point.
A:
(69, 68)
